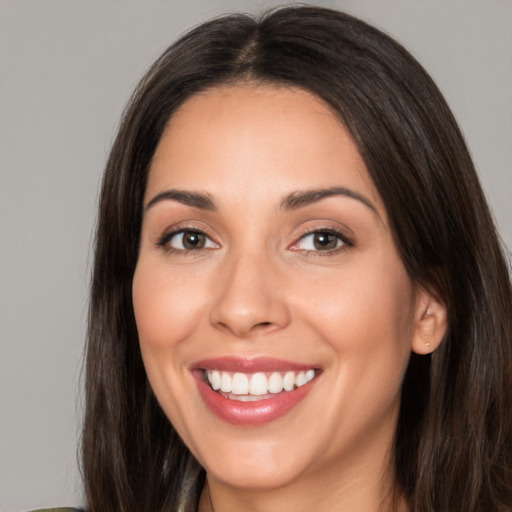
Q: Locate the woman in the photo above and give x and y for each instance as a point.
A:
(299, 300)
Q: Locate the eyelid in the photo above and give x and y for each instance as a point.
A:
(164, 239)
(209, 243)
(346, 241)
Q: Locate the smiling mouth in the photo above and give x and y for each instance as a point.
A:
(248, 387)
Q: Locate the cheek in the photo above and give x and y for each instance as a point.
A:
(166, 315)
(367, 319)
(365, 312)
(166, 306)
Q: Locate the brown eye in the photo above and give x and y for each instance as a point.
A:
(193, 240)
(188, 240)
(323, 241)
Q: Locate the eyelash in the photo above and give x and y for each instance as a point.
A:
(164, 241)
(346, 242)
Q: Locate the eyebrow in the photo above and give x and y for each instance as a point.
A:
(293, 201)
(194, 199)
(300, 199)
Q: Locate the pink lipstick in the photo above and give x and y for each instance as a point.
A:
(252, 391)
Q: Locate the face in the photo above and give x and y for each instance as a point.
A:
(274, 314)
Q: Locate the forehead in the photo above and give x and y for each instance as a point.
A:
(259, 137)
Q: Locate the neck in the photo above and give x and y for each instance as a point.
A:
(369, 490)
(361, 477)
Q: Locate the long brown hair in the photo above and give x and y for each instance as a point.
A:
(453, 448)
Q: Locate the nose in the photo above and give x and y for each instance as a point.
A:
(250, 299)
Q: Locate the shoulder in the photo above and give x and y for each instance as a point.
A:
(58, 509)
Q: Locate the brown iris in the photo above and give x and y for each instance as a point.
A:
(193, 240)
(324, 241)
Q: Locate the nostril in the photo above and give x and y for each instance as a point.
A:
(261, 327)
(243, 331)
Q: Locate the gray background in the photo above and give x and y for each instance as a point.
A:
(66, 70)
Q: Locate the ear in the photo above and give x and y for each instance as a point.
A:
(430, 322)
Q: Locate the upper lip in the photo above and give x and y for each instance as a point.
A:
(249, 365)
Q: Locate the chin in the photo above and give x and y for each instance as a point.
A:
(263, 464)
(254, 474)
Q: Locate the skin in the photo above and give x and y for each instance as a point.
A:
(260, 287)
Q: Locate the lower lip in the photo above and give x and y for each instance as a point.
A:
(252, 413)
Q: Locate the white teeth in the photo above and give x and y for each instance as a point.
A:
(289, 381)
(240, 384)
(214, 378)
(225, 382)
(246, 398)
(310, 375)
(257, 384)
(275, 383)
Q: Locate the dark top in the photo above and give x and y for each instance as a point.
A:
(59, 509)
